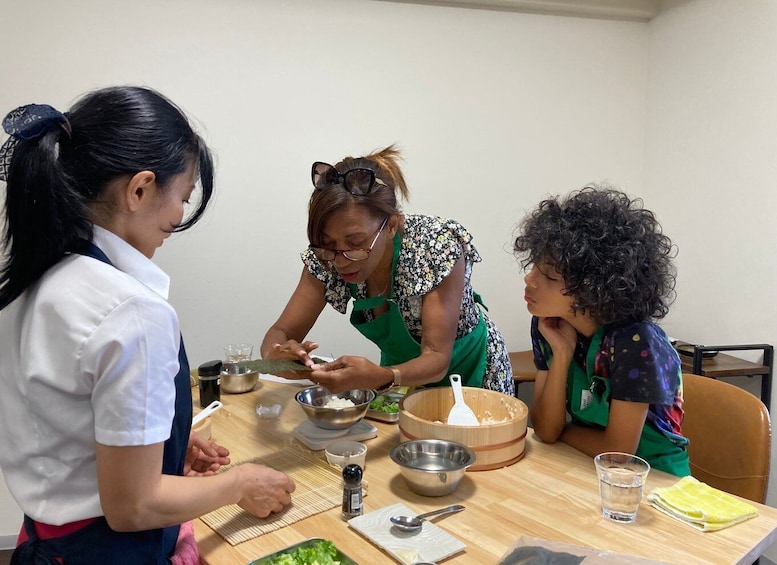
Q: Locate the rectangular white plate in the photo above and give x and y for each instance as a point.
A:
(430, 544)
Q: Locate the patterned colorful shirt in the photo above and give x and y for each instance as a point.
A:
(431, 246)
(642, 367)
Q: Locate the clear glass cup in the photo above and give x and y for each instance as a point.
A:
(621, 479)
(237, 352)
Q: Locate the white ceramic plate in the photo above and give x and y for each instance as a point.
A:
(430, 544)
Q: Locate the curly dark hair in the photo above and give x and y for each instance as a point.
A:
(611, 252)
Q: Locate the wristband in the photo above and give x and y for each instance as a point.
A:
(397, 376)
(392, 384)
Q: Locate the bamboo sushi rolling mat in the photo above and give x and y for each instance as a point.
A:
(318, 489)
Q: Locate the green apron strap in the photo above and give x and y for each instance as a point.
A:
(389, 332)
(479, 299)
(588, 401)
(588, 394)
(470, 356)
(662, 454)
(362, 304)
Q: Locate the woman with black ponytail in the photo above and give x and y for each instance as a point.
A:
(96, 409)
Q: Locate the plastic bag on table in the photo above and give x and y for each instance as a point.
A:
(535, 551)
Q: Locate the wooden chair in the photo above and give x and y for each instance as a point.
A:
(524, 370)
(730, 436)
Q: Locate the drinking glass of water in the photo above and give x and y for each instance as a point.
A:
(621, 478)
(237, 352)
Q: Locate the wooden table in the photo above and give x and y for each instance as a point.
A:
(552, 493)
(723, 365)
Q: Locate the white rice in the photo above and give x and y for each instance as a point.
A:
(337, 402)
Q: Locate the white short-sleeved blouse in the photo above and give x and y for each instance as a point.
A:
(88, 354)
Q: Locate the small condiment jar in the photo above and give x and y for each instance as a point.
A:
(352, 491)
(209, 374)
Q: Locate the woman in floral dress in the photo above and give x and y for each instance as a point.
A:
(409, 278)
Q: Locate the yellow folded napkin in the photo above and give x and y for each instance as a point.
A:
(700, 505)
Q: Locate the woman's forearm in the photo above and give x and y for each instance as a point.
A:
(429, 367)
(548, 411)
(274, 335)
(153, 500)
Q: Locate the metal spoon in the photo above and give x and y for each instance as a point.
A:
(411, 524)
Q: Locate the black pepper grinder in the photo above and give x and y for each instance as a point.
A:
(210, 382)
(352, 491)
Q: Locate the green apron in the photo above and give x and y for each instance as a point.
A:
(389, 333)
(588, 401)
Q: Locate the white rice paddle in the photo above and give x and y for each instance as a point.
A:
(214, 406)
(460, 414)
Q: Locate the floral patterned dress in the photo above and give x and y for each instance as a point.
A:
(431, 246)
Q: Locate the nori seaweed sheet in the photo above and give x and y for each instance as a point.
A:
(275, 366)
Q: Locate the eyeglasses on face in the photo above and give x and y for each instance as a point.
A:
(358, 181)
(350, 254)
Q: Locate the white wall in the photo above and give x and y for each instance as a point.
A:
(493, 110)
(711, 164)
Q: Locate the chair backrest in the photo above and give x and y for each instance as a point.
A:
(522, 363)
(730, 435)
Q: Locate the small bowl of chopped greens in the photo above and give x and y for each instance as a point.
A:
(385, 407)
(334, 411)
(312, 551)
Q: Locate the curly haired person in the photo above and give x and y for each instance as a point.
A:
(599, 272)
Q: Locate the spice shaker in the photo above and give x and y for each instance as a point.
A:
(209, 374)
(352, 491)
